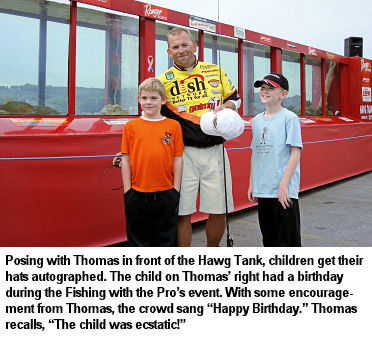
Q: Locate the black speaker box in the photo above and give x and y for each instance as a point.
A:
(353, 47)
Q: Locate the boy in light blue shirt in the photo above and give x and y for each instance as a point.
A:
(275, 167)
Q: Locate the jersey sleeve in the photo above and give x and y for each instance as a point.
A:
(229, 91)
(125, 145)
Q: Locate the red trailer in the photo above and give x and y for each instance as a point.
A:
(65, 96)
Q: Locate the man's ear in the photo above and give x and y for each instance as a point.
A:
(195, 45)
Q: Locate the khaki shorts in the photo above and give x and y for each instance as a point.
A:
(203, 171)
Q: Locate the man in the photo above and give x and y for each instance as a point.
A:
(193, 88)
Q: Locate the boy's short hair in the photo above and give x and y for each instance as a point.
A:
(178, 30)
(152, 84)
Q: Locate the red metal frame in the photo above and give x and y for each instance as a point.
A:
(344, 93)
(303, 84)
(201, 45)
(64, 201)
(276, 59)
(72, 60)
(240, 72)
(146, 49)
(324, 104)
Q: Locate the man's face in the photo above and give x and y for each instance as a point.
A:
(181, 49)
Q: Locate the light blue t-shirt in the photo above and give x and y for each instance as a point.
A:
(271, 142)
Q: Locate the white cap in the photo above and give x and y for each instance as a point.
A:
(226, 123)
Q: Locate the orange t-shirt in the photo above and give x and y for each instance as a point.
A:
(152, 146)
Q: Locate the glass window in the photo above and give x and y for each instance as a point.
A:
(33, 66)
(256, 65)
(313, 86)
(228, 48)
(162, 61)
(107, 54)
(292, 71)
(332, 88)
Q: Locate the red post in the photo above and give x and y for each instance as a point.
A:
(303, 84)
(146, 48)
(276, 59)
(240, 72)
(324, 104)
(72, 60)
(344, 86)
(201, 45)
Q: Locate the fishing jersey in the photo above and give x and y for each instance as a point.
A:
(192, 94)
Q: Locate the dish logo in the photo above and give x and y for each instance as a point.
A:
(194, 83)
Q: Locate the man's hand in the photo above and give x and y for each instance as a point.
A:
(226, 105)
(218, 108)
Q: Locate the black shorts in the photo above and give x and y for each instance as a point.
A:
(151, 218)
(279, 227)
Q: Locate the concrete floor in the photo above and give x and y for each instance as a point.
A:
(335, 215)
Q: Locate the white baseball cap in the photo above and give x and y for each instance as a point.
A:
(226, 123)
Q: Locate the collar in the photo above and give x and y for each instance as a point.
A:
(184, 69)
(151, 120)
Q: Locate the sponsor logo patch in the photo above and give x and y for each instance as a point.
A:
(169, 75)
(181, 108)
(207, 67)
(211, 105)
(214, 82)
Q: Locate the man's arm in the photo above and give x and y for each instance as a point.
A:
(126, 173)
(177, 165)
(294, 158)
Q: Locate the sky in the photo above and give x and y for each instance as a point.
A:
(323, 24)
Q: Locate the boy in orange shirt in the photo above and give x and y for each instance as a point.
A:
(151, 168)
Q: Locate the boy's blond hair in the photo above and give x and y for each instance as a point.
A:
(178, 30)
(152, 84)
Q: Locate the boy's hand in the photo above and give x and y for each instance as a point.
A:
(127, 189)
(250, 195)
(117, 160)
(283, 196)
